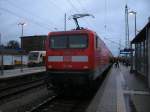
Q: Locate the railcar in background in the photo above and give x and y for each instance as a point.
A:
(36, 58)
(75, 57)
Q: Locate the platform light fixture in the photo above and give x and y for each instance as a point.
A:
(134, 13)
(22, 24)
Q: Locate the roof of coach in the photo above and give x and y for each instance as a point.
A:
(72, 31)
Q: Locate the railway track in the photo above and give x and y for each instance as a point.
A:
(74, 101)
(63, 103)
(13, 90)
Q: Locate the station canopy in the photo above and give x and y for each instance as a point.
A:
(141, 36)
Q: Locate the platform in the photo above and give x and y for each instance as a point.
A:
(121, 92)
(17, 72)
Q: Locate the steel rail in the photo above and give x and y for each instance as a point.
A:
(19, 84)
(9, 92)
(36, 108)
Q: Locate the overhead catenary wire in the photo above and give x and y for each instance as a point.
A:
(72, 5)
(83, 9)
(76, 10)
(105, 16)
(119, 44)
(79, 2)
(31, 14)
(56, 5)
(19, 16)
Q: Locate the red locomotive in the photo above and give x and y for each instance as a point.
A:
(75, 57)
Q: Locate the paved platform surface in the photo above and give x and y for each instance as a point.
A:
(17, 72)
(138, 91)
(121, 92)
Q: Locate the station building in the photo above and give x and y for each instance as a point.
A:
(141, 55)
(33, 43)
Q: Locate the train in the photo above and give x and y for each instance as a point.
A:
(36, 58)
(76, 57)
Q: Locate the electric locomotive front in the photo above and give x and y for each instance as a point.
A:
(69, 56)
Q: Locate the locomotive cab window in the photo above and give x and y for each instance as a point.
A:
(58, 42)
(78, 41)
(69, 41)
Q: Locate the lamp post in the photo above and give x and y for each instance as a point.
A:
(65, 25)
(22, 25)
(133, 13)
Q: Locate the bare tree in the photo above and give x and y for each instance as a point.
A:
(13, 44)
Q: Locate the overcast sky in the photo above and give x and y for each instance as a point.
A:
(43, 16)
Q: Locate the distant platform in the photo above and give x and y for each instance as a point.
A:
(17, 72)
